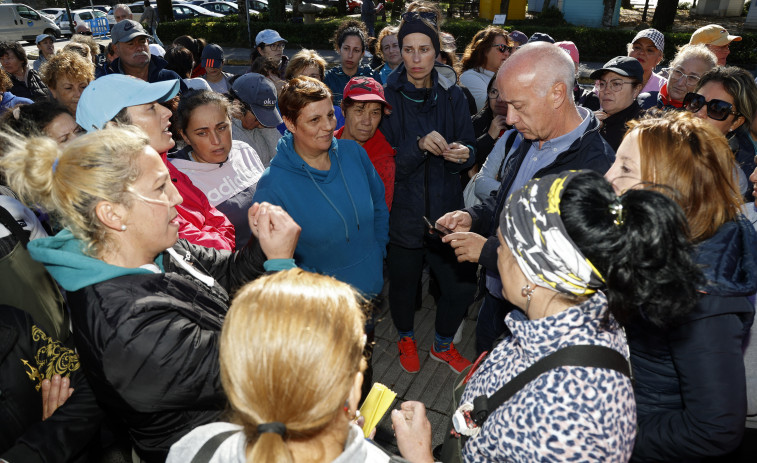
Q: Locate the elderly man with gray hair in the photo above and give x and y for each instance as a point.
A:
(536, 82)
(121, 12)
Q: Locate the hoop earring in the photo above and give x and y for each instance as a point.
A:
(526, 292)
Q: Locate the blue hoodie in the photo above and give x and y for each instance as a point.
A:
(342, 212)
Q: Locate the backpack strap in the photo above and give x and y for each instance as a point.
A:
(209, 448)
(592, 356)
(508, 146)
(10, 222)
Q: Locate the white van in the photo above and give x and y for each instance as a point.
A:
(20, 22)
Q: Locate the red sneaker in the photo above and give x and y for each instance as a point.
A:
(409, 355)
(451, 357)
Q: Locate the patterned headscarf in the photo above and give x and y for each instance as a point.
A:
(534, 231)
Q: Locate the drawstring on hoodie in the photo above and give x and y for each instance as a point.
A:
(323, 193)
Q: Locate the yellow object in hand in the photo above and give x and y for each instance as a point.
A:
(376, 405)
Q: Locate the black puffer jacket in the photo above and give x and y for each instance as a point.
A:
(148, 342)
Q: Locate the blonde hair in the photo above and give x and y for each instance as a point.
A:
(388, 30)
(692, 157)
(70, 181)
(291, 346)
(303, 59)
(69, 65)
(700, 52)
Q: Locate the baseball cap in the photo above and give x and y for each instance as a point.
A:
(363, 88)
(212, 56)
(654, 35)
(623, 65)
(260, 94)
(42, 37)
(519, 37)
(712, 35)
(127, 30)
(570, 48)
(540, 37)
(268, 36)
(107, 96)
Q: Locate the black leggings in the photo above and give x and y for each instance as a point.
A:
(456, 283)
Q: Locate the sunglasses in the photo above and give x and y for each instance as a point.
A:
(503, 47)
(416, 16)
(717, 110)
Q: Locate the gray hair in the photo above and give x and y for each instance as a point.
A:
(123, 7)
(699, 51)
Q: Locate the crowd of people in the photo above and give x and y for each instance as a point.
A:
(191, 260)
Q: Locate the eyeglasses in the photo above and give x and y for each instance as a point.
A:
(503, 47)
(276, 46)
(677, 74)
(717, 110)
(614, 85)
(493, 93)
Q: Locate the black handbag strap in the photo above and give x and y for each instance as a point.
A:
(579, 356)
(209, 448)
(10, 222)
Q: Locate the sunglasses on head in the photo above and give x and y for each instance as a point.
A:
(503, 47)
(416, 16)
(717, 110)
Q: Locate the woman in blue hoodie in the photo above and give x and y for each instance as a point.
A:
(690, 382)
(146, 307)
(330, 188)
(431, 130)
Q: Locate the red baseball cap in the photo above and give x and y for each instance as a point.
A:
(363, 88)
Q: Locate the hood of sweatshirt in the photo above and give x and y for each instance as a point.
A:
(63, 256)
(729, 260)
(287, 158)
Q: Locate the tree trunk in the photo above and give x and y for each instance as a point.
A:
(276, 9)
(165, 12)
(342, 8)
(504, 6)
(296, 7)
(609, 11)
(626, 4)
(664, 14)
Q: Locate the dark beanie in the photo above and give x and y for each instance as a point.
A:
(418, 26)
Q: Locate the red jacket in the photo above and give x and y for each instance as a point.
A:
(381, 154)
(199, 222)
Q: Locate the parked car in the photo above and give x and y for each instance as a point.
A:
(187, 10)
(259, 5)
(21, 22)
(66, 23)
(225, 8)
(354, 6)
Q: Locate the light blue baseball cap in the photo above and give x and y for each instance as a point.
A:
(107, 96)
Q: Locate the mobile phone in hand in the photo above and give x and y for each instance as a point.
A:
(437, 229)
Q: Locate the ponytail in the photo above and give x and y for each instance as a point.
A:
(70, 182)
(639, 242)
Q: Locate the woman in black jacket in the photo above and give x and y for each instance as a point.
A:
(689, 374)
(432, 133)
(146, 308)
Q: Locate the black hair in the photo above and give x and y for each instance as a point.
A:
(194, 45)
(348, 28)
(180, 60)
(32, 118)
(16, 49)
(646, 259)
(192, 100)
